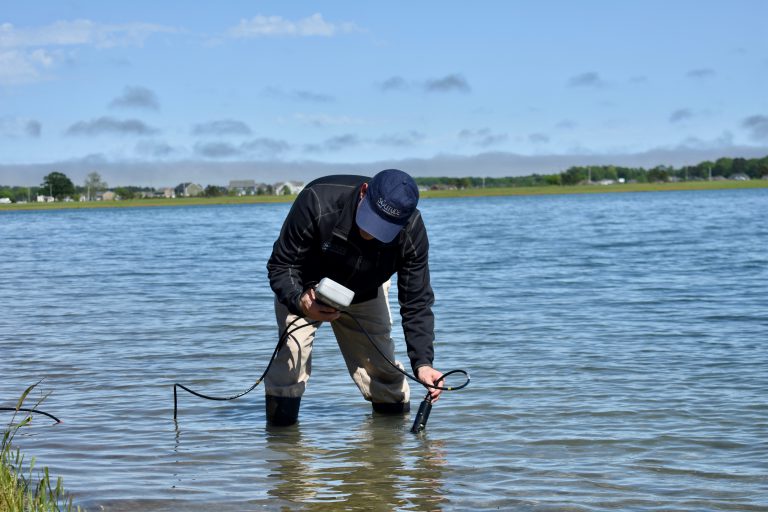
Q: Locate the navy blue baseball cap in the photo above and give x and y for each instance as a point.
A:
(388, 204)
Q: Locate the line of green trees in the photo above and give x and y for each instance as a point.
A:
(722, 168)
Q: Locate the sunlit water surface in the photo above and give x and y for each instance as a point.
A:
(616, 343)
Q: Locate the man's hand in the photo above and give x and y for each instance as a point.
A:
(429, 375)
(315, 310)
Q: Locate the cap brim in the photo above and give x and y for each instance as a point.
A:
(370, 222)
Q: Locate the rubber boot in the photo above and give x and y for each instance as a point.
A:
(282, 411)
(389, 408)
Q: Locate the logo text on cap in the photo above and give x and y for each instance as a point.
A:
(387, 208)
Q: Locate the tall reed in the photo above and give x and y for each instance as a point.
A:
(18, 490)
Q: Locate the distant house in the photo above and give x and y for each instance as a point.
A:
(293, 187)
(242, 187)
(740, 177)
(45, 199)
(5, 200)
(188, 190)
(108, 196)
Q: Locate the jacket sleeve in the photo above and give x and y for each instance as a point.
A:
(415, 295)
(291, 250)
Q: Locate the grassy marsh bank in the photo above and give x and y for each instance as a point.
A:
(21, 489)
(597, 189)
(468, 192)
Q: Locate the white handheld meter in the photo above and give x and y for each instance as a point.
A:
(333, 294)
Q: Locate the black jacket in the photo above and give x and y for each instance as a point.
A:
(320, 239)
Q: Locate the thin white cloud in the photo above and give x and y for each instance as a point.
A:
(24, 66)
(79, 32)
(27, 54)
(269, 26)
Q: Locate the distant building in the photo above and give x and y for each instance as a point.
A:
(293, 187)
(45, 199)
(188, 190)
(242, 187)
(5, 200)
(740, 177)
(108, 196)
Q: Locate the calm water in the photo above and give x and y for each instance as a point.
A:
(617, 347)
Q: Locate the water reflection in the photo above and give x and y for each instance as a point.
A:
(379, 467)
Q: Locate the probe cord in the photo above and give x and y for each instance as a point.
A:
(281, 341)
(430, 386)
(35, 411)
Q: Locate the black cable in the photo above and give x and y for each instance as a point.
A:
(24, 409)
(431, 386)
(280, 342)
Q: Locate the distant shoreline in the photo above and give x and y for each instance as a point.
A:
(469, 192)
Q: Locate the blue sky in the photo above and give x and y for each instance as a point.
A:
(153, 93)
